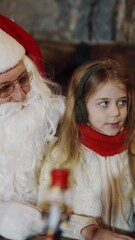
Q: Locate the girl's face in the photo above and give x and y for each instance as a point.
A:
(107, 108)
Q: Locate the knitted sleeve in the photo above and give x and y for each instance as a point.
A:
(76, 224)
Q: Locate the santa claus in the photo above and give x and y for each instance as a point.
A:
(29, 114)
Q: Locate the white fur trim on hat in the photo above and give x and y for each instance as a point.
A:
(11, 52)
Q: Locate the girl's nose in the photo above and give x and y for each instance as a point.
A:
(115, 110)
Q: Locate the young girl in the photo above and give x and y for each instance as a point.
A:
(92, 142)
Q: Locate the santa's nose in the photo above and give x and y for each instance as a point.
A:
(18, 95)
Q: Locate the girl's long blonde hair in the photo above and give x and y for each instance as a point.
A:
(67, 147)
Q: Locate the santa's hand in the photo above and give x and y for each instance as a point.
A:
(19, 221)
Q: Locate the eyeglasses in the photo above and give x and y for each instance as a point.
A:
(7, 88)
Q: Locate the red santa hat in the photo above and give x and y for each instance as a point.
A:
(22, 40)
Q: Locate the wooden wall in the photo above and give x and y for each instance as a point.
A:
(61, 59)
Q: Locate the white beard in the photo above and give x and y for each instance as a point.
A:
(24, 133)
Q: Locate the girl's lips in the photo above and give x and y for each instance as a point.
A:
(113, 125)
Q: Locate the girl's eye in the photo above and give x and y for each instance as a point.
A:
(123, 102)
(104, 104)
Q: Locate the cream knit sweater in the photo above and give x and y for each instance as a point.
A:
(102, 192)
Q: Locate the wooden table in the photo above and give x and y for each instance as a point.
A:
(41, 238)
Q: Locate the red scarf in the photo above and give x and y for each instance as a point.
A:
(102, 144)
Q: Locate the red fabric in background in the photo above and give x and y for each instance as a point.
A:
(24, 38)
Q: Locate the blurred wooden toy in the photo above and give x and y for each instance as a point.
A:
(57, 211)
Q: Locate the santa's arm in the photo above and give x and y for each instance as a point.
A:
(19, 221)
